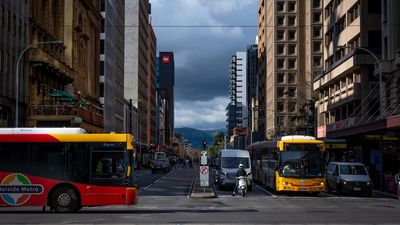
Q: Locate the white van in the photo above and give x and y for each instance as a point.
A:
(228, 165)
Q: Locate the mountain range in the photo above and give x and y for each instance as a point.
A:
(196, 136)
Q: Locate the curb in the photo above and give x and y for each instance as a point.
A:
(385, 193)
(201, 192)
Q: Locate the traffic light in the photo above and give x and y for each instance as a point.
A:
(204, 144)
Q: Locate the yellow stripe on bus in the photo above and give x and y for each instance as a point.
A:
(124, 138)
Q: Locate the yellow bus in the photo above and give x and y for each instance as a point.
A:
(290, 163)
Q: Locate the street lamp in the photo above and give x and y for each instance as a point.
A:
(17, 73)
(381, 108)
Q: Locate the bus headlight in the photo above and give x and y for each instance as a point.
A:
(322, 183)
(285, 183)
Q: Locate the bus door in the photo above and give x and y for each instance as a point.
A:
(108, 176)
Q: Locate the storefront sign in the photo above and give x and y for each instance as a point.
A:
(339, 125)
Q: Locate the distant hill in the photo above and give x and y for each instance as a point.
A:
(196, 137)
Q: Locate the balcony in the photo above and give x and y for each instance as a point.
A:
(63, 112)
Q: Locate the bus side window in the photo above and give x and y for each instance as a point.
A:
(14, 157)
(77, 158)
(47, 159)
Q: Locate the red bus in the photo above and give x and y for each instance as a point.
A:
(65, 168)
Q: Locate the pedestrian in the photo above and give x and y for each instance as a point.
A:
(184, 163)
(190, 163)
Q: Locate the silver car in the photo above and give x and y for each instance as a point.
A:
(348, 177)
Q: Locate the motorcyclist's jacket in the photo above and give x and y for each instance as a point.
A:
(241, 173)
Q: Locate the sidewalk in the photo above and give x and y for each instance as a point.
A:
(201, 192)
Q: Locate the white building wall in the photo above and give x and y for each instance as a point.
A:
(241, 79)
(131, 51)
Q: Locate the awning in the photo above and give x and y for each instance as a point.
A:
(66, 98)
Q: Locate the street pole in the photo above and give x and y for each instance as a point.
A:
(17, 74)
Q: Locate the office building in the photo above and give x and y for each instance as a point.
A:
(288, 38)
(112, 64)
(14, 37)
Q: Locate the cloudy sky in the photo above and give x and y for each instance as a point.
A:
(203, 34)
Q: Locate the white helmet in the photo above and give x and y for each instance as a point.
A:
(240, 165)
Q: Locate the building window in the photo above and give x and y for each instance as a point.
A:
(291, 20)
(291, 78)
(1, 60)
(280, 6)
(280, 77)
(2, 16)
(317, 31)
(291, 34)
(316, 46)
(340, 25)
(280, 106)
(280, 20)
(353, 13)
(316, 4)
(280, 92)
(281, 63)
(291, 6)
(292, 107)
(317, 61)
(102, 46)
(280, 35)
(292, 92)
(291, 63)
(280, 49)
(291, 49)
(316, 17)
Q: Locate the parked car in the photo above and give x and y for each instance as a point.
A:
(162, 165)
(348, 177)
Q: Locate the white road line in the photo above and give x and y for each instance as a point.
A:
(142, 189)
(266, 191)
(325, 193)
(191, 187)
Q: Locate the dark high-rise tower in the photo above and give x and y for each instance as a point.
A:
(166, 82)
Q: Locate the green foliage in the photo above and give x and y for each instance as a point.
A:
(218, 143)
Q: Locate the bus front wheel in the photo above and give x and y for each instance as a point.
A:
(64, 200)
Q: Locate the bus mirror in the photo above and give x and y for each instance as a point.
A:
(321, 147)
(129, 171)
(285, 147)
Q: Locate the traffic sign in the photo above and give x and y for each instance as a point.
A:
(204, 176)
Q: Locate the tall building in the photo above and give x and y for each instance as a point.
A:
(151, 84)
(136, 62)
(13, 39)
(360, 49)
(288, 37)
(64, 79)
(237, 109)
(166, 81)
(252, 91)
(112, 64)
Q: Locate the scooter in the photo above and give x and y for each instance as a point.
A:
(242, 186)
(397, 180)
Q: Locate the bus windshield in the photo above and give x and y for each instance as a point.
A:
(109, 164)
(233, 162)
(301, 161)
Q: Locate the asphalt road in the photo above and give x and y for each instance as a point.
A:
(163, 199)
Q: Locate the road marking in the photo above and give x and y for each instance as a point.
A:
(266, 191)
(191, 187)
(142, 189)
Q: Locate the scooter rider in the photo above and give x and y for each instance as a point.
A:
(239, 173)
